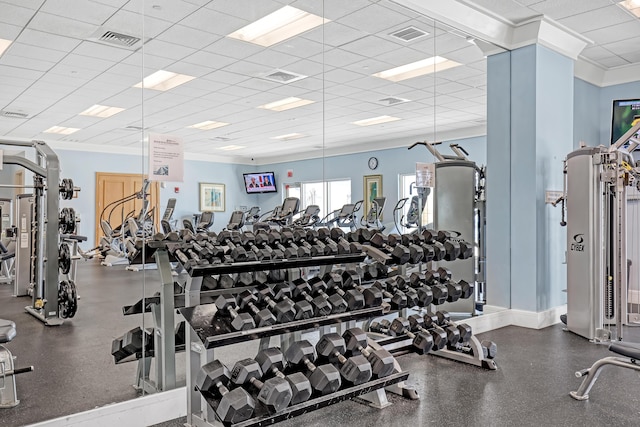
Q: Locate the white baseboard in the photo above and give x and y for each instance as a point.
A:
(495, 317)
(143, 411)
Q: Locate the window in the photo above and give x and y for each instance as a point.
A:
(408, 190)
(329, 195)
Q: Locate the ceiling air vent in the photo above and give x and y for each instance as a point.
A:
(14, 114)
(283, 76)
(392, 100)
(409, 34)
(113, 38)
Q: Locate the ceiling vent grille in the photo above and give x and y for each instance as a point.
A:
(283, 76)
(114, 38)
(409, 34)
(392, 100)
(14, 114)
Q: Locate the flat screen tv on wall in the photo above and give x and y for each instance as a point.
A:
(626, 113)
(260, 182)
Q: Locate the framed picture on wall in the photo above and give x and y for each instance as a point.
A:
(372, 189)
(211, 197)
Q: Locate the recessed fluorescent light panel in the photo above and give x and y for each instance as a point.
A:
(418, 68)
(376, 120)
(286, 104)
(4, 44)
(61, 130)
(631, 5)
(208, 125)
(288, 136)
(231, 147)
(101, 111)
(280, 25)
(163, 80)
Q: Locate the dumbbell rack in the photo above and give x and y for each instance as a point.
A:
(208, 333)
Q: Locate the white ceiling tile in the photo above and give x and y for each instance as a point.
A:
(334, 34)
(248, 10)
(272, 59)
(613, 61)
(48, 40)
(598, 18)
(91, 13)
(61, 26)
(167, 10)
(371, 46)
(341, 76)
(619, 32)
(213, 21)
(622, 47)
(11, 60)
(233, 48)
(558, 9)
(299, 47)
(9, 32)
(337, 57)
(101, 51)
(632, 57)
(15, 14)
(374, 19)
(189, 37)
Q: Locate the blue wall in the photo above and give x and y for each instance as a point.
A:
(586, 114)
(82, 167)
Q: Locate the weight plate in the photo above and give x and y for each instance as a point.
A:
(64, 258)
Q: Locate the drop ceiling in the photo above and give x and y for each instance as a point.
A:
(57, 68)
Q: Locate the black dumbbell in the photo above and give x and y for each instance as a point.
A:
(382, 362)
(401, 283)
(324, 234)
(231, 240)
(300, 238)
(416, 253)
(416, 249)
(438, 336)
(399, 252)
(380, 327)
(284, 292)
(262, 242)
(467, 288)
(397, 300)
(319, 287)
(338, 236)
(235, 405)
(239, 321)
(248, 241)
(275, 241)
(454, 291)
(288, 239)
(355, 370)
(188, 261)
(361, 235)
(350, 280)
(321, 305)
(354, 299)
(466, 249)
(283, 310)
(271, 361)
(325, 379)
(422, 342)
(261, 317)
(464, 330)
(330, 247)
(275, 393)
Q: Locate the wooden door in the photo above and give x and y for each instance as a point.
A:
(111, 187)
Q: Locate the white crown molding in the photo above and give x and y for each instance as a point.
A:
(551, 34)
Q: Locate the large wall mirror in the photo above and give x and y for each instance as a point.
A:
(309, 90)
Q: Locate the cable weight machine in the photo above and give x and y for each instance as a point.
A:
(53, 299)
